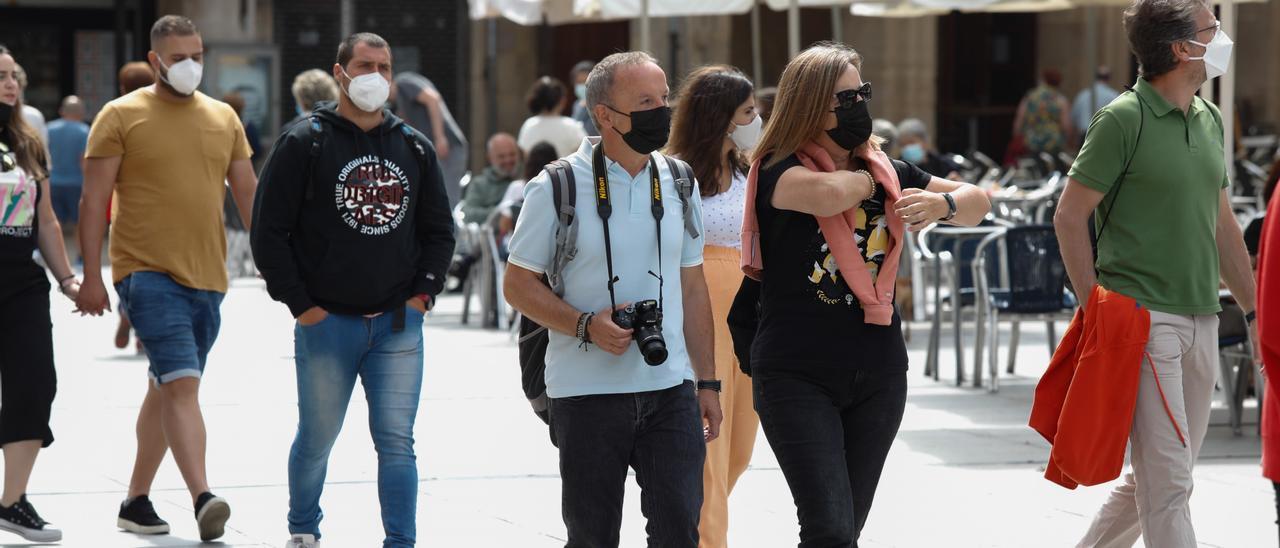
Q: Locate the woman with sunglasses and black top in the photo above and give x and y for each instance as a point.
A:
(828, 361)
(27, 378)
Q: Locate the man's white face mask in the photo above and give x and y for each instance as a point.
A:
(1217, 54)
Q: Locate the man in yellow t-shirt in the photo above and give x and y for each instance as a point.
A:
(166, 150)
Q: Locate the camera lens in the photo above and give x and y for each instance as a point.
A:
(653, 347)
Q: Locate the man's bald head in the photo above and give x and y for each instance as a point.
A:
(503, 153)
(72, 108)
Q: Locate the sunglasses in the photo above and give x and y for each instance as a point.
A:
(848, 97)
(7, 161)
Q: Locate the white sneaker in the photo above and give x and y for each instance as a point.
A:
(302, 541)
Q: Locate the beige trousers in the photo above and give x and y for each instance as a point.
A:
(1154, 500)
(728, 455)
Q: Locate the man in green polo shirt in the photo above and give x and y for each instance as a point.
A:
(1153, 167)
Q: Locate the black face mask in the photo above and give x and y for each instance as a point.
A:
(6, 112)
(853, 125)
(649, 129)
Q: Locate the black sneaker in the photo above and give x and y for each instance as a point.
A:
(22, 519)
(137, 515)
(212, 513)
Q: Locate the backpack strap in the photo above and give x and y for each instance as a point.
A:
(683, 175)
(564, 197)
(317, 142)
(414, 143)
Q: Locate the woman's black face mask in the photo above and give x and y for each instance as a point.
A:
(853, 118)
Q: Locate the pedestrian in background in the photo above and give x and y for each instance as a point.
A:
(68, 136)
(715, 127)
(546, 100)
(1043, 119)
(310, 88)
(580, 111)
(416, 100)
(1090, 100)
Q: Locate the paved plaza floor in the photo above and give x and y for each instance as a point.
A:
(965, 470)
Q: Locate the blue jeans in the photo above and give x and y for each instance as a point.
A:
(176, 324)
(659, 435)
(329, 357)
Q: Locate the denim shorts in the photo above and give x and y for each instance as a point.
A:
(176, 324)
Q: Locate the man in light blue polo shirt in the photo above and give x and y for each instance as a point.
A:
(610, 410)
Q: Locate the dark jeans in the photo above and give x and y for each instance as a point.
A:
(659, 435)
(831, 440)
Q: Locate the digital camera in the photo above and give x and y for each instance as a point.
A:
(645, 318)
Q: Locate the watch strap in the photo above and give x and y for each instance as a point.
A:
(709, 385)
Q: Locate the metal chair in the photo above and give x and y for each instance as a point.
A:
(1236, 364)
(472, 235)
(948, 252)
(1031, 286)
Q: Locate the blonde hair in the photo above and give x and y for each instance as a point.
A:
(804, 99)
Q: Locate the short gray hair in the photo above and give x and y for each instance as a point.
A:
(913, 127)
(1153, 25)
(313, 86)
(885, 130)
(600, 81)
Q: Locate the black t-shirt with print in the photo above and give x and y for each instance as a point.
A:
(19, 228)
(810, 318)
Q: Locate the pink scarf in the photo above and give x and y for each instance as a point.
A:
(875, 296)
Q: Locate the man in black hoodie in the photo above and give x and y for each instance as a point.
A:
(352, 231)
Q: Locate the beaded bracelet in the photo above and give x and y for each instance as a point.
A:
(583, 322)
(869, 178)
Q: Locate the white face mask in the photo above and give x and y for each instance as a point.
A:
(368, 91)
(184, 76)
(746, 136)
(1217, 54)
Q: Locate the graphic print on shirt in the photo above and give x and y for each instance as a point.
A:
(17, 204)
(872, 238)
(372, 195)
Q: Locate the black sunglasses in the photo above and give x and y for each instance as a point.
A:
(846, 98)
(7, 161)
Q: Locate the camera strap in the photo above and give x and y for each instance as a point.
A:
(605, 209)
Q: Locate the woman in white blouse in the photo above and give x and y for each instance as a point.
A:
(547, 100)
(715, 124)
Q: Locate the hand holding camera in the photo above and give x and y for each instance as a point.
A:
(608, 335)
(644, 319)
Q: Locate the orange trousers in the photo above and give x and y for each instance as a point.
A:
(729, 455)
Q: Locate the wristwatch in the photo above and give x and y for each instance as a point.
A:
(427, 301)
(951, 206)
(709, 385)
(1250, 317)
